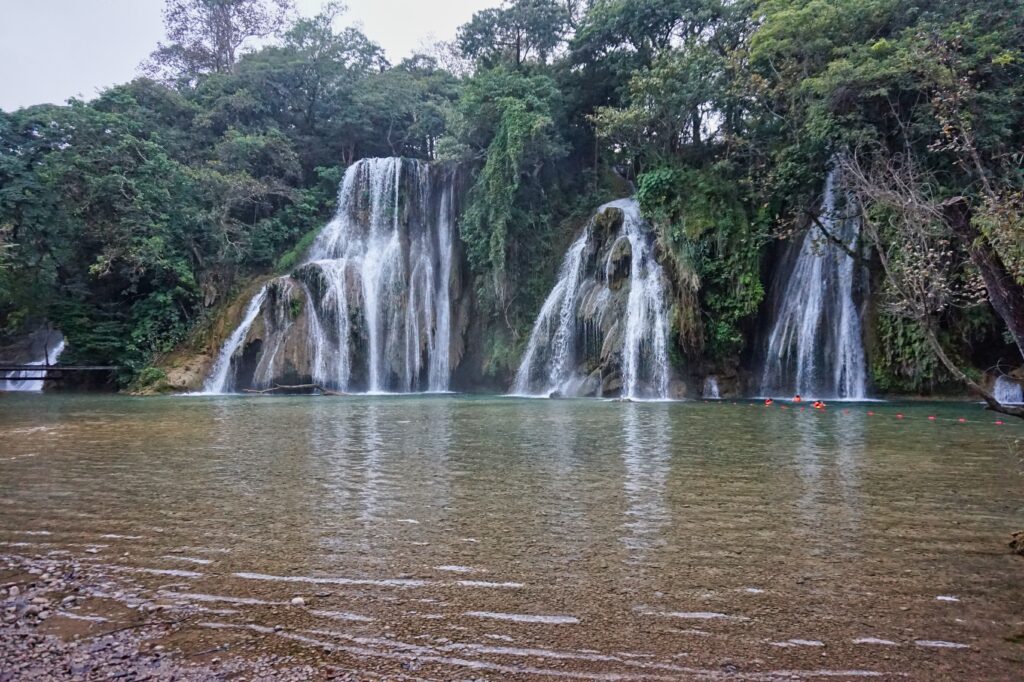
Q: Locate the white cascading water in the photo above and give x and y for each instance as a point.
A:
(816, 347)
(647, 316)
(711, 388)
(1008, 392)
(371, 281)
(16, 381)
(556, 323)
(218, 381)
(550, 363)
(439, 376)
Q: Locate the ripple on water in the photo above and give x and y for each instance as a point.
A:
(798, 642)
(381, 582)
(200, 597)
(687, 615)
(177, 573)
(525, 618)
(342, 615)
(940, 644)
(188, 559)
(489, 584)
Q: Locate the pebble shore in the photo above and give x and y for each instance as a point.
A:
(52, 629)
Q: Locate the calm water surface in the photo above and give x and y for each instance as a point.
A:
(492, 537)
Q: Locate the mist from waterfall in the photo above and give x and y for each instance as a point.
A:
(816, 347)
(374, 292)
(558, 342)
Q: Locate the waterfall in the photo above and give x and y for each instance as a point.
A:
(815, 348)
(646, 318)
(711, 388)
(440, 353)
(600, 329)
(1008, 392)
(16, 381)
(370, 307)
(219, 380)
(559, 309)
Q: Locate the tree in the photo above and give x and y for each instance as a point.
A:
(205, 35)
(670, 105)
(508, 120)
(329, 61)
(518, 31)
(918, 240)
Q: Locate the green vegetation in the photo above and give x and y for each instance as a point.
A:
(126, 219)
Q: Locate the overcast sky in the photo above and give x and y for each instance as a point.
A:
(51, 50)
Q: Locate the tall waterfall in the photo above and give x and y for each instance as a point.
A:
(17, 381)
(1008, 392)
(603, 329)
(816, 348)
(371, 307)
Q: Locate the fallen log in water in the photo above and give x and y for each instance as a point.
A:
(280, 387)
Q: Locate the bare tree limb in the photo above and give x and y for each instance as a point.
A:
(296, 387)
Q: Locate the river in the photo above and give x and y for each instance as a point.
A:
(449, 537)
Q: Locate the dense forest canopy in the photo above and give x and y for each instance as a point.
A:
(125, 221)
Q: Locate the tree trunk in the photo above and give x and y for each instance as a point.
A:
(1005, 294)
(990, 400)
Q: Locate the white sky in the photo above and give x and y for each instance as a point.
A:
(51, 50)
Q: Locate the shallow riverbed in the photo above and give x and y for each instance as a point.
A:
(446, 537)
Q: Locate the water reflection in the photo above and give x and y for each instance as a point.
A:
(562, 449)
(371, 505)
(646, 456)
(827, 461)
